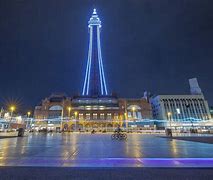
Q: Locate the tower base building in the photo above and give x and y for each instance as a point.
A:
(86, 113)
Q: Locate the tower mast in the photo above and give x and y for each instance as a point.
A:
(94, 81)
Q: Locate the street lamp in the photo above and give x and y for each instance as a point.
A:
(169, 117)
(69, 110)
(28, 115)
(12, 109)
(192, 123)
(169, 131)
(125, 117)
(75, 113)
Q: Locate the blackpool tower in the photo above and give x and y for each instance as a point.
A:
(94, 81)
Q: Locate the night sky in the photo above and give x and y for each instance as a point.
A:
(154, 45)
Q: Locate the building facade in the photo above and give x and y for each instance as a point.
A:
(180, 107)
(182, 110)
(86, 113)
(211, 112)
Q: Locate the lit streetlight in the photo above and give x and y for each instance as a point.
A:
(28, 116)
(169, 114)
(133, 111)
(62, 116)
(69, 110)
(75, 113)
(169, 131)
(125, 117)
(12, 109)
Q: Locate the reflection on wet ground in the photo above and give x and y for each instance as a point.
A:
(86, 150)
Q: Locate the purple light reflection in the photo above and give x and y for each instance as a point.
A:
(117, 162)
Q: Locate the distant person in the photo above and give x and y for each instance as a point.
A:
(93, 131)
(118, 129)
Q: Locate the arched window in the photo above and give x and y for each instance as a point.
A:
(135, 107)
(56, 108)
(134, 111)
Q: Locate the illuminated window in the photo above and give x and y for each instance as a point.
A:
(101, 107)
(95, 116)
(116, 116)
(55, 108)
(139, 115)
(87, 116)
(129, 114)
(109, 116)
(81, 116)
(102, 116)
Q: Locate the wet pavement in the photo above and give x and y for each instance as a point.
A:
(98, 150)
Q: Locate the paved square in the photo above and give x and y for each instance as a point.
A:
(98, 150)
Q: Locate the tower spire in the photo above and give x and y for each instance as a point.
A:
(94, 81)
(94, 11)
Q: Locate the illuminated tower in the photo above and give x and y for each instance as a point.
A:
(94, 81)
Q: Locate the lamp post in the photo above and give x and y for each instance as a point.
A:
(169, 114)
(125, 116)
(69, 110)
(12, 109)
(75, 113)
(192, 123)
(28, 118)
(28, 114)
(62, 115)
(169, 131)
(133, 115)
(192, 128)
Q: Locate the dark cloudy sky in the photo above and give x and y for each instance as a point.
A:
(154, 45)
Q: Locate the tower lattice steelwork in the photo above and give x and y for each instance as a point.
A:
(94, 82)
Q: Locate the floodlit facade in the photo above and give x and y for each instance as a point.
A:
(180, 107)
(86, 113)
(182, 110)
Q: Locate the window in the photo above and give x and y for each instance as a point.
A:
(87, 116)
(102, 116)
(81, 116)
(109, 116)
(95, 116)
(140, 115)
(56, 108)
(116, 116)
